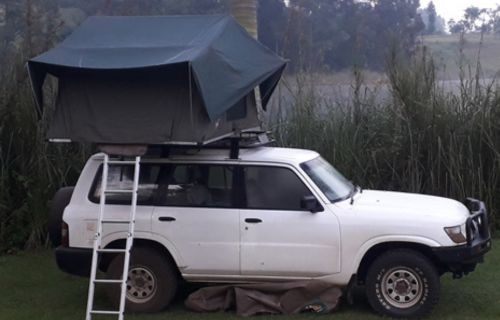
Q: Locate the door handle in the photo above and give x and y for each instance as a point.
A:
(168, 219)
(253, 220)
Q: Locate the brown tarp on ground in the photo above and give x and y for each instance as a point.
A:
(267, 298)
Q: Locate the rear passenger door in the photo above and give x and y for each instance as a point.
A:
(118, 204)
(196, 214)
(278, 238)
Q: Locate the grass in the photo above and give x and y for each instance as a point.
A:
(449, 53)
(35, 289)
(342, 78)
(447, 48)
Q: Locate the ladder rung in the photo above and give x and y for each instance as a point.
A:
(128, 162)
(125, 220)
(112, 250)
(108, 281)
(119, 191)
(115, 221)
(104, 312)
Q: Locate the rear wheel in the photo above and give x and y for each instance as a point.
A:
(403, 284)
(57, 205)
(151, 282)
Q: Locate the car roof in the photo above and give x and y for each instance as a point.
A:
(256, 154)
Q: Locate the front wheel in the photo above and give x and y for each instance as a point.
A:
(402, 284)
(151, 282)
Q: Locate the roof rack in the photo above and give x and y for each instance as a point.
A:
(242, 140)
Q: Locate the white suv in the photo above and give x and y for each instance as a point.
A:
(273, 214)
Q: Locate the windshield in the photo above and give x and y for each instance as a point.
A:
(328, 179)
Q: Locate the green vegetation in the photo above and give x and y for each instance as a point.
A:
(31, 169)
(449, 51)
(414, 134)
(36, 289)
(411, 133)
(311, 33)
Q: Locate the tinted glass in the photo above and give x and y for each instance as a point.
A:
(122, 178)
(195, 185)
(273, 188)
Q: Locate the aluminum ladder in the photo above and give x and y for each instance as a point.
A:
(98, 250)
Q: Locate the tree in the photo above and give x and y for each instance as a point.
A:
(431, 18)
(272, 23)
(347, 32)
(297, 40)
(471, 15)
(495, 20)
(397, 24)
(456, 27)
(245, 12)
(476, 20)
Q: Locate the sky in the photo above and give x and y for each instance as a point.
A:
(454, 9)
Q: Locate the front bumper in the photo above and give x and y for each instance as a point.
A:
(463, 259)
(74, 261)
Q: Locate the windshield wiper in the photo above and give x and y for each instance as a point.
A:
(355, 188)
(352, 193)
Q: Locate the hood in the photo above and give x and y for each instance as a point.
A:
(410, 205)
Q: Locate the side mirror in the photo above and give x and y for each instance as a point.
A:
(310, 203)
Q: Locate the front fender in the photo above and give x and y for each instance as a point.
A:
(365, 247)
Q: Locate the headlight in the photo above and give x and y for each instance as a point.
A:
(456, 233)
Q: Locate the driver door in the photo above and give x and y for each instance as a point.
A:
(278, 237)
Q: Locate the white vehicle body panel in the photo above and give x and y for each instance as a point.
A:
(210, 244)
(289, 243)
(206, 239)
(81, 213)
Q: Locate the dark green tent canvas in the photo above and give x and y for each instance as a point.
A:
(155, 80)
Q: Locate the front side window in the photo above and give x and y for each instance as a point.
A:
(122, 178)
(273, 188)
(328, 179)
(198, 185)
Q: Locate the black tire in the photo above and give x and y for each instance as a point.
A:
(57, 205)
(156, 276)
(402, 284)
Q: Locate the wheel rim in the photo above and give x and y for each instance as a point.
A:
(141, 285)
(402, 287)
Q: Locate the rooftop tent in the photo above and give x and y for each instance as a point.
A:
(155, 80)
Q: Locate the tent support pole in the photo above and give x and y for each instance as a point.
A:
(190, 94)
(234, 153)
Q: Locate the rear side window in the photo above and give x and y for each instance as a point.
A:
(198, 185)
(122, 178)
(273, 188)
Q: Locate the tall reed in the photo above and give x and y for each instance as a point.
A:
(31, 169)
(414, 134)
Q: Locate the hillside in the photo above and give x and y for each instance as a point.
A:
(447, 51)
